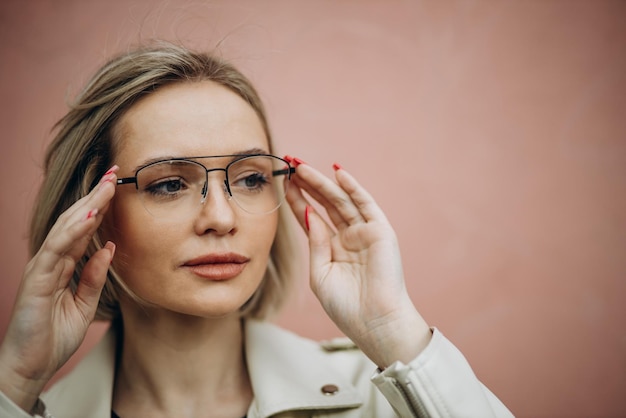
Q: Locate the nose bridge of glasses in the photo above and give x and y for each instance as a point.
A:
(225, 186)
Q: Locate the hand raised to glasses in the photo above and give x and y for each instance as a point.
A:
(49, 321)
(356, 269)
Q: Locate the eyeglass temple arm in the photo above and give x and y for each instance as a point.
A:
(127, 180)
(287, 170)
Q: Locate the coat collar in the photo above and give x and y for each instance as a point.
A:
(88, 389)
(287, 373)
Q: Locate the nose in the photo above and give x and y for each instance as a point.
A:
(205, 190)
(216, 211)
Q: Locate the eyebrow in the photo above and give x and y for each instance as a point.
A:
(251, 151)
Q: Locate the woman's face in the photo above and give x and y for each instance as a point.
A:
(209, 263)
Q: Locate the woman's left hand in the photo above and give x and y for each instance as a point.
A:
(356, 268)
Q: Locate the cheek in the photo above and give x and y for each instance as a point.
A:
(266, 229)
(145, 246)
(138, 238)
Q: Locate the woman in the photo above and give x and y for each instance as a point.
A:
(161, 211)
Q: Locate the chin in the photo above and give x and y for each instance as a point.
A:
(211, 308)
(211, 302)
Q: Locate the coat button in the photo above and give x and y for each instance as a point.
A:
(330, 389)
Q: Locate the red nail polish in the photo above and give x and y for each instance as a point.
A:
(108, 176)
(105, 178)
(298, 161)
(288, 158)
(306, 217)
(337, 167)
(91, 214)
(111, 170)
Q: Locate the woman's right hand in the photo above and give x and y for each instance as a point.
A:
(49, 320)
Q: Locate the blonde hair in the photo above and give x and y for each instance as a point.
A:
(82, 151)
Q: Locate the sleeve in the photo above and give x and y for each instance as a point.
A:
(438, 383)
(8, 409)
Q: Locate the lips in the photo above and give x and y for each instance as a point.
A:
(217, 266)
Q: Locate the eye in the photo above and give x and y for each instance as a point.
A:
(251, 182)
(166, 187)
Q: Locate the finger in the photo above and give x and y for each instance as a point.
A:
(320, 248)
(72, 231)
(363, 201)
(333, 214)
(110, 176)
(329, 194)
(299, 204)
(92, 281)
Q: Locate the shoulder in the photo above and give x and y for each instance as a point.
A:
(338, 344)
(286, 368)
(289, 346)
(274, 346)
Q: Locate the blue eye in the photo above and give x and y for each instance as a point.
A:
(252, 182)
(168, 187)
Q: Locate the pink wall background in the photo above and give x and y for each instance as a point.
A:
(492, 133)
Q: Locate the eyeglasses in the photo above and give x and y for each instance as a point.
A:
(173, 188)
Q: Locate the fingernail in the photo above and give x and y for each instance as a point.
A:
(306, 217)
(298, 161)
(111, 247)
(288, 158)
(92, 213)
(337, 167)
(112, 170)
(105, 178)
(109, 174)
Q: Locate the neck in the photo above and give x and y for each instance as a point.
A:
(177, 365)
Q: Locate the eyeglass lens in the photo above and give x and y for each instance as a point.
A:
(176, 188)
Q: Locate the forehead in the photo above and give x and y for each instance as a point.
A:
(187, 119)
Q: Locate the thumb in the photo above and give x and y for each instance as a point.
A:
(92, 280)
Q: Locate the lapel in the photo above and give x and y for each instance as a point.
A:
(288, 372)
(87, 391)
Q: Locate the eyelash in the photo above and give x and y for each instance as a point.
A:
(156, 188)
(260, 178)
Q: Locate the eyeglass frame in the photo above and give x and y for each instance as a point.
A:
(288, 170)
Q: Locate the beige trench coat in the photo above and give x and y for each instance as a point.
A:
(295, 377)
